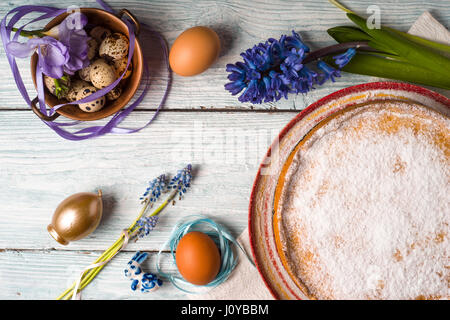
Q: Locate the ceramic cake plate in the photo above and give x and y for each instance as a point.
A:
(261, 207)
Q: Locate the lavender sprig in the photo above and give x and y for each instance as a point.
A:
(154, 190)
(145, 225)
(182, 181)
(177, 185)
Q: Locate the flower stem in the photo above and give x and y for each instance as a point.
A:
(340, 6)
(337, 48)
(113, 250)
(30, 34)
(58, 88)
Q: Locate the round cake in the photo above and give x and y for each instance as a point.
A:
(364, 204)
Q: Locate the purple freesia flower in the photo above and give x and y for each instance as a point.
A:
(53, 54)
(67, 54)
(72, 34)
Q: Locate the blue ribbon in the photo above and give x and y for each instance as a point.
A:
(221, 237)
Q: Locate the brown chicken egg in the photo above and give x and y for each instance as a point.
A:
(197, 258)
(194, 51)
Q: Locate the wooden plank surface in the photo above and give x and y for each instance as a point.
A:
(45, 274)
(201, 124)
(39, 170)
(240, 24)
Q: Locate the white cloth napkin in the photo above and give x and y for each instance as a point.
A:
(429, 28)
(245, 283)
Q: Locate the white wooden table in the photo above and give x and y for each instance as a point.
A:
(201, 123)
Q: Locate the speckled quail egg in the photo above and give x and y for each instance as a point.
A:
(115, 93)
(84, 73)
(93, 48)
(99, 33)
(90, 106)
(114, 47)
(120, 65)
(76, 86)
(101, 74)
(51, 86)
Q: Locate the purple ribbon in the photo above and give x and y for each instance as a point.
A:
(58, 127)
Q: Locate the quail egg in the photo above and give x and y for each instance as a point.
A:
(51, 86)
(115, 93)
(76, 86)
(114, 47)
(99, 33)
(120, 66)
(92, 48)
(90, 106)
(84, 73)
(101, 74)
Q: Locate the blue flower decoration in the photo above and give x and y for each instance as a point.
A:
(145, 225)
(154, 190)
(275, 68)
(328, 72)
(177, 185)
(342, 59)
(182, 181)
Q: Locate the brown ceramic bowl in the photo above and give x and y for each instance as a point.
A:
(115, 24)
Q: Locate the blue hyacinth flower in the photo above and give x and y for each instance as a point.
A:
(275, 68)
(328, 72)
(344, 58)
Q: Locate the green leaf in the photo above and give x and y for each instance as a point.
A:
(431, 44)
(381, 47)
(371, 65)
(348, 34)
(384, 54)
(411, 51)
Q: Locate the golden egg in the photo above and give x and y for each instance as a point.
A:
(197, 258)
(76, 217)
(194, 51)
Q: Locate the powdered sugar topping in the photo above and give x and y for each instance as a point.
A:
(365, 211)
